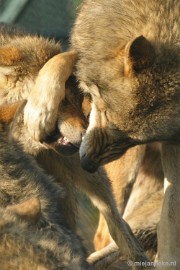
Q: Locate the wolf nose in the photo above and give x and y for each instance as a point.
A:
(88, 164)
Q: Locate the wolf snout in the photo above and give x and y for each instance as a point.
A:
(88, 164)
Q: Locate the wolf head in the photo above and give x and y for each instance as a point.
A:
(70, 126)
(33, 64)
(33, 68)
(129, 63)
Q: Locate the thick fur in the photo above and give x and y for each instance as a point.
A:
(26, 246)
(134, 47)
(65, 170)
(47, 242)
(22, 57)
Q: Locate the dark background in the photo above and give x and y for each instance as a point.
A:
(52, 18)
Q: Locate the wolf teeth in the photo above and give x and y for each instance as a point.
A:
(63, 140)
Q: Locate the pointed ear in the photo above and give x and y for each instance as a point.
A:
(8, 111)
(9, 59)
(29, 210)
(9, 56)
(139, 54)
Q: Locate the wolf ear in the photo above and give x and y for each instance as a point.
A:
(29, 210)
(139, 54)
(9, 56)
(8, 111)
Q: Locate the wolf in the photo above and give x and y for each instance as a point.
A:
(135, 90)
(128, 60)
(34, 69)
(134, 48)
(34, 232)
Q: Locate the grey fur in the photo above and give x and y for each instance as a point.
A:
(28, 247)
(21, 179)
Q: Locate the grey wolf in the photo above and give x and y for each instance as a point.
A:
(21, 176)
(136, 55)
(134, 47)
(34, 232)
(34, 68)
(25, 245)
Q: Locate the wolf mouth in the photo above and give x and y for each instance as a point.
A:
(60, 143)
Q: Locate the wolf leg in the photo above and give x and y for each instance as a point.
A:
(98, 188)
(169, 226)
(40, 113)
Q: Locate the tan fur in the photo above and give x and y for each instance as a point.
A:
(7, 112)
(60, 67)
(29, 210)
(9, 56)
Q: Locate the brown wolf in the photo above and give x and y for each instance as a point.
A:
(129, 63)
(33, 67)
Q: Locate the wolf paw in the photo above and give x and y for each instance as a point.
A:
(40, 119)
(41, 110)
